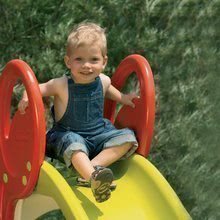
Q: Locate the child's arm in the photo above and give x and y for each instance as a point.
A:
(47, 89)
(125, 99)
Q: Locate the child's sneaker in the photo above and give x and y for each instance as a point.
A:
(82, 182)
(101, 180)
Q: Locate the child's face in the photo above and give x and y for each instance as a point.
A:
(86, 63)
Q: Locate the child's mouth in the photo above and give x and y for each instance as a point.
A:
(86, 73)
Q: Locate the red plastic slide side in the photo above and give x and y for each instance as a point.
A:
(140, 118)
(22, 138)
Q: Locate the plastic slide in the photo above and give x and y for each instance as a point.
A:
(30, 186)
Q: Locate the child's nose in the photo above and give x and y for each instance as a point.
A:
(86, 65)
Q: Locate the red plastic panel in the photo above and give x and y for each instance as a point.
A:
(140, 118)
(22, 139)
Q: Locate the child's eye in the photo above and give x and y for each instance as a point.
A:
(95, 59)
(78, 59)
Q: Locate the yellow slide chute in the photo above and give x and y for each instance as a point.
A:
(142, 193)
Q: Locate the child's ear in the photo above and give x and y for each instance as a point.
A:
(105, 62)
(67, 61)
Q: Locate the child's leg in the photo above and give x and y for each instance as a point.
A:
(100, 179)
(82, 164)
(110, 155)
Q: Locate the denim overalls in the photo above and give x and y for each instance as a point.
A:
(83, 127)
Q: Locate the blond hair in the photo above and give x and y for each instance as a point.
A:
(86, 34)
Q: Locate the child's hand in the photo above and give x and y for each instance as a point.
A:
(127, 99)
(22, 105)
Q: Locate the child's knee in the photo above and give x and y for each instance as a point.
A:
(128, 146)
(78, 153)
(124, 148)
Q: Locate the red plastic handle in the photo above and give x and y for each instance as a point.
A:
(22, 139)
(141, 118)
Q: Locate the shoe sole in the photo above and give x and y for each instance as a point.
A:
(101, 185)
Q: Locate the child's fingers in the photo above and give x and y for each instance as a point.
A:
(22, 106)
(134, 95)
(132, 105)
